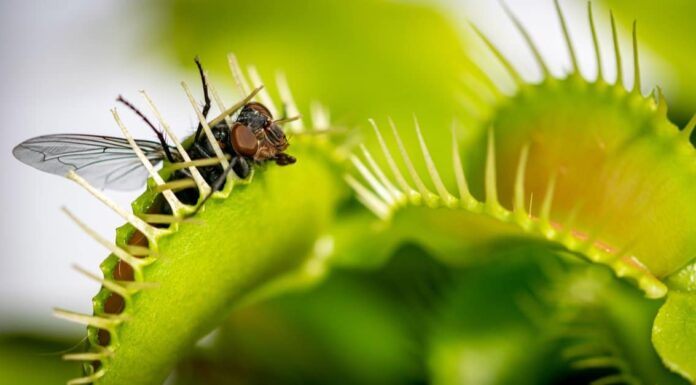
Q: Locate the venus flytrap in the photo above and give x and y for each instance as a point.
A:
(172, 278)
(611, 178)
(586, 167)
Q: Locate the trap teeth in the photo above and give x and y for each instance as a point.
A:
(106, 322)
(172, 200)
(203, 187)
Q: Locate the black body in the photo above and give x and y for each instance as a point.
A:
(202, 149)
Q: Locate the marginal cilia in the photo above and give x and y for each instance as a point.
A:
(614, 177)
(383, 195)
(387, 196)
(124, 272)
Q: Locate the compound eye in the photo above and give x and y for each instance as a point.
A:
(243, 140)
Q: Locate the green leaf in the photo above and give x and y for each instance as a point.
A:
(204, 269)
(33, 360)
(674, 333)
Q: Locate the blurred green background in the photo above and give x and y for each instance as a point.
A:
(411, 320)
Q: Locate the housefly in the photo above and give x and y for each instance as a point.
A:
(110, 162)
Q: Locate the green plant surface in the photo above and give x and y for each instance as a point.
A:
(522, 316)
(589, 167)
(624, 158)
(674, 333)
(350, 328)
(565, 166)
(203, 268)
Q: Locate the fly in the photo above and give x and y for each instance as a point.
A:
(110, 162)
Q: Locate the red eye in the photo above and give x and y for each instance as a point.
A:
(243, 140)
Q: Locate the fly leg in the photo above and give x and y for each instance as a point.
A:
(158, 133)
(190, 196)
(283, 159)
(206, 97)
(243, 168)
(237, 162)
(203, 151)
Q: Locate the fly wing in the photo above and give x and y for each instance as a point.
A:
(104, 161)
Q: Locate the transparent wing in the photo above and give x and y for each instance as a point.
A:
(104, 161)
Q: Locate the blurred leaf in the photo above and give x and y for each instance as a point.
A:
(34, 360)
(480, 333)
(518, 318)
(357, 327)
(362, 58)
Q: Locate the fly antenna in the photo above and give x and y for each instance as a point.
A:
(159, 133)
